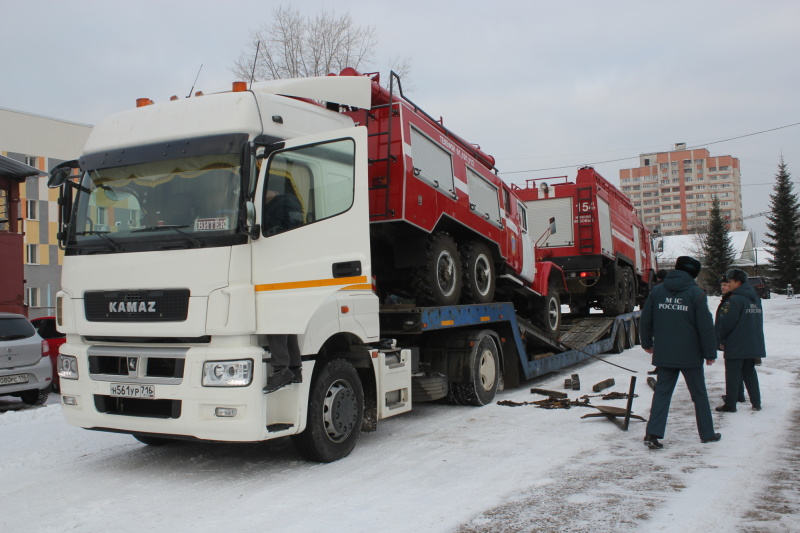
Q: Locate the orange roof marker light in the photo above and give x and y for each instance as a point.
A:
(239, 86)
(141, 102)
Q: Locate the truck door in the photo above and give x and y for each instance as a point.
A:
(312, 205)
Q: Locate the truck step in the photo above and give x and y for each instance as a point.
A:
(274, 428)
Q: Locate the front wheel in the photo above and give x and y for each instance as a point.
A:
(335, 414)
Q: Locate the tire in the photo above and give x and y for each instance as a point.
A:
(619, 339)
(485, 372)
(335, 413)
(630, 287)
(614, 304)
(153, 441)
(439, 281)
(429, 387)
(548, 316)
(36, 396)
(634, 334)
(478, 273)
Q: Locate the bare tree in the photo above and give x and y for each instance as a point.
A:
(295, 46)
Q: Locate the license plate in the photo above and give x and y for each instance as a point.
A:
(12, 380)
(126, 390)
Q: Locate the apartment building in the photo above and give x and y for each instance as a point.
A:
(673, 191)
(40, 142)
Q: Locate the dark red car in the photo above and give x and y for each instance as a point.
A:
(46, 328)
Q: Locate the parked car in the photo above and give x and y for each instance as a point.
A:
(46, 328)
(761, 287)
(26, 370)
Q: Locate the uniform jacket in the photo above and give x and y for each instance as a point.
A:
(740, 324)
(677, 324)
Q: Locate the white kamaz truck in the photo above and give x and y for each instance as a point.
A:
(174, 275)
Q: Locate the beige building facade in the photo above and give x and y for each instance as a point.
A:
(41, 142)
(673, 191)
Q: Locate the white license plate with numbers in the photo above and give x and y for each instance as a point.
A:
(126, 390)
(13, 380)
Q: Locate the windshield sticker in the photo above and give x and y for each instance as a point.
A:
(211, 224)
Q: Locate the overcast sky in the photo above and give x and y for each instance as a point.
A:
(538, 84)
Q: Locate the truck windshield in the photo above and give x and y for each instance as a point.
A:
(188, 202)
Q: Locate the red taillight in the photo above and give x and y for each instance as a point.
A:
(45, 348)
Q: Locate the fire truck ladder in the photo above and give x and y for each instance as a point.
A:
(382, 182)
(585, 225)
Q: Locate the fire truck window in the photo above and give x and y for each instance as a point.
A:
(308, 184)
(483, 197)
(432, 163)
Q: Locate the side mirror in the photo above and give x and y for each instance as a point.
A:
(253, 229)
(61, 173)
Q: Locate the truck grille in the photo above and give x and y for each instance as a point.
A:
(158, 367)
(170, 305)
(137, 407)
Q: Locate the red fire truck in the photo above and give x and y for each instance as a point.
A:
(445, 228)
(601, 244)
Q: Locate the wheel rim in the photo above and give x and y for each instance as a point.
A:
(483, 275)
(487, 370)
(446, 273)
(339, 411)
(552, 313)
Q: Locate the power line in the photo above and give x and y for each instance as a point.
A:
(636, 157)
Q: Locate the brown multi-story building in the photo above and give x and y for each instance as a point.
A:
(673, 191)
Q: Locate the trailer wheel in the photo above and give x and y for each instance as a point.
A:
(429, 387)
(485, 366)
(619, 339)
(633, 335)
(335, 414)
(478, 273)
(548, 316)
(614, 304)
(439, 281)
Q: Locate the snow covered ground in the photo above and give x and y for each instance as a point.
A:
(440, 468)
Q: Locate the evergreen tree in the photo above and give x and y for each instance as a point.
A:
(718, 253)
(783, 237)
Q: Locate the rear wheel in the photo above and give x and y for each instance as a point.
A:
(335, 413)
(485, 372)
(35, 397)
(478, 273)
(548, 316)
(614, 304)
(630, 289)
(438, 282)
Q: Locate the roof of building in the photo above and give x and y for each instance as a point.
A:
(16, 170)
(670, 247)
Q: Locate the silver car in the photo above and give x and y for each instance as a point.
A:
(25, 369)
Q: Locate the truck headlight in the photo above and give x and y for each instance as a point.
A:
(228, 373)
(67, 367)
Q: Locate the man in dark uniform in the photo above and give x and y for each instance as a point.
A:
(740, 332)
(725, 289)
(677, 329)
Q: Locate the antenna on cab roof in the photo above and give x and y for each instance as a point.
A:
(195, 81)
(255, 60)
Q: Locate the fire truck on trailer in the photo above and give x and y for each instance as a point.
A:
(603, 247)
(174, 275)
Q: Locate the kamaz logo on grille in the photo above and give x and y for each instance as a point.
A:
(131, 307)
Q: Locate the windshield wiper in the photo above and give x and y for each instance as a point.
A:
(196, 242)
(12, 337)
(114, 245)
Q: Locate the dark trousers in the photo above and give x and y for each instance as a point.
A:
(659, 409)
(285, 351)
(736, 371)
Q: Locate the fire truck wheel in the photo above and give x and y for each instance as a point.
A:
(548, 316)
(630, 289)
(485, 366)
(439, 281)
(614, 304)
(153, 441)
(478, 273)
(335, 413)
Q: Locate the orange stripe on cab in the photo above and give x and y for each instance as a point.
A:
(313, 283)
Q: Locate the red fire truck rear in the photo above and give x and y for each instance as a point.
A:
(601, 244)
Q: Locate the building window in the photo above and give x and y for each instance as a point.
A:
(33, 254)
(31, 160)
(723, 168)
(712, 169)
(32, 296)
(33, 212)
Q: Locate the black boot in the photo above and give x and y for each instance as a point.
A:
(726, 409)
(278, 379)
(715, 438)
(298, 374)
(651, 441)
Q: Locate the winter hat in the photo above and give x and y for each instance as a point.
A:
(661, 275)
(736, 274)
(688, 264)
